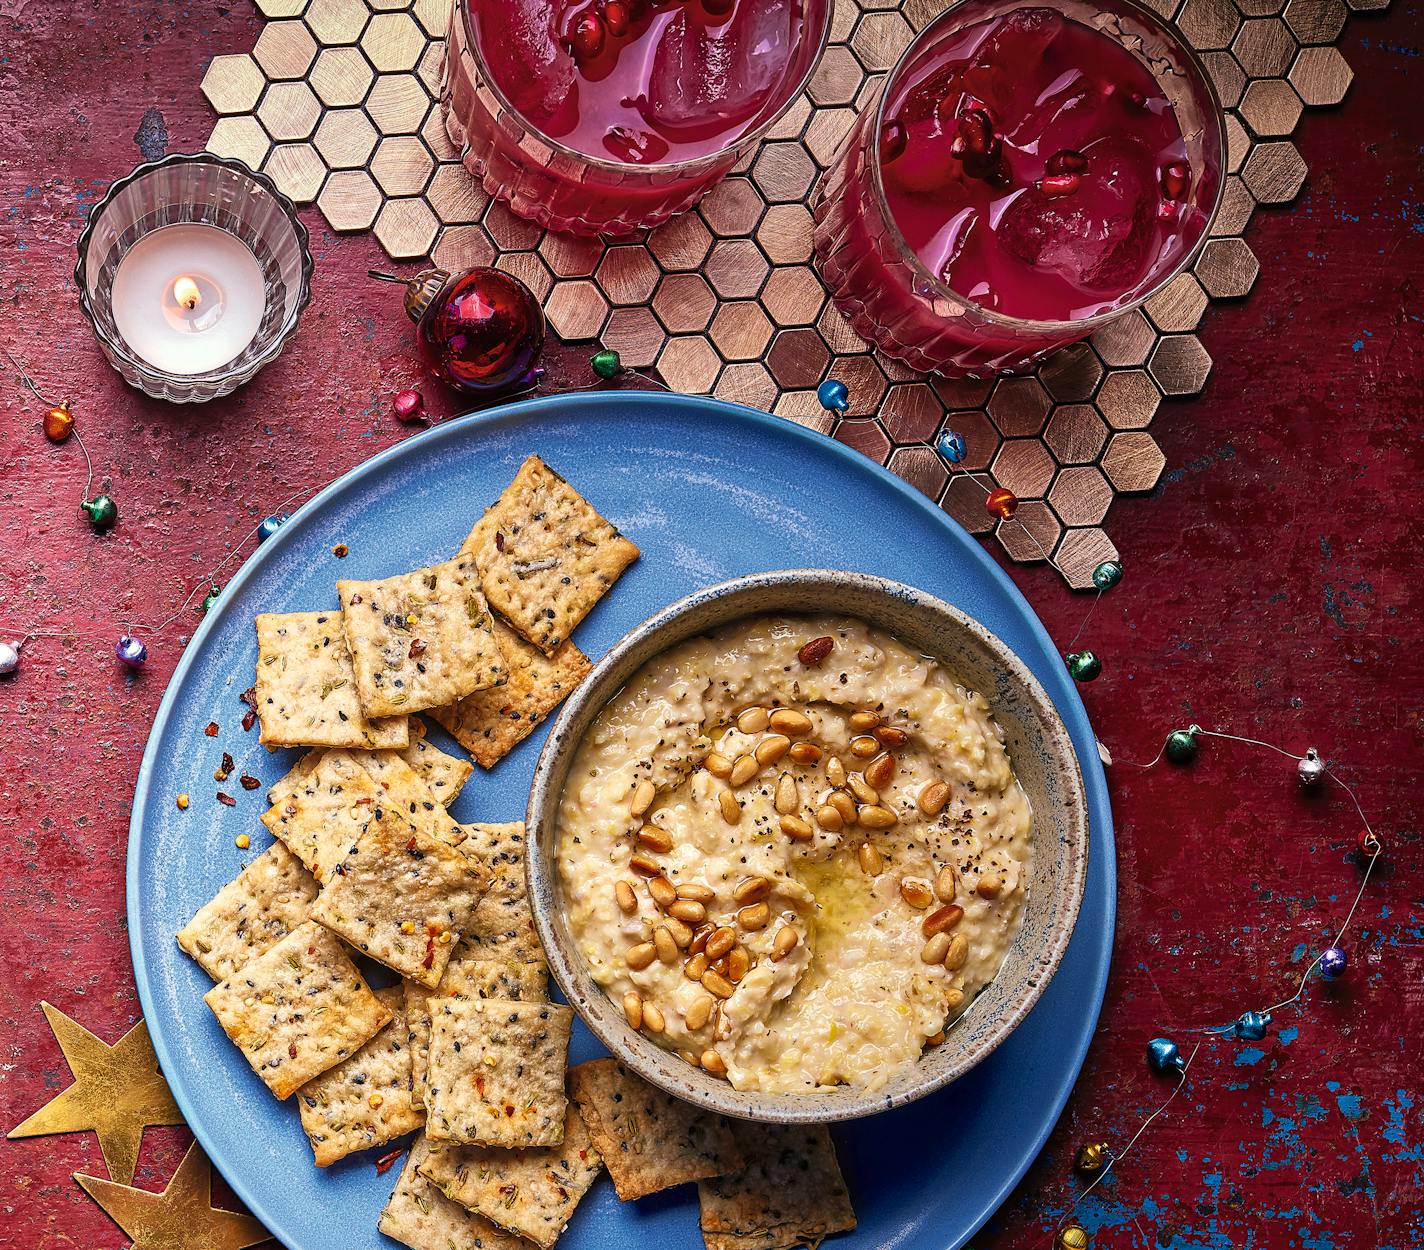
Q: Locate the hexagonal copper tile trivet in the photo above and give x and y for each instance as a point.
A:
(338, 102)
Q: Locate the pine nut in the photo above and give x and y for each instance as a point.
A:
(640, 956)
(688, 911)
(731, 809)
(835, 771)
(864, 747)
(844, 804)
(953, 999)
(699, 1011)
(788, 721)
(717, 764)
(934, 951)
(644, 865)
(754, 720)
(935, 1039)
(872, 862)
(681, 934)
(805, 753)
(863, 722)
(942, 919)
(865, 793)
(663, 892)
(797, 829)
(876, 817)
(633, 1008)
(667, 947)
(989, 887)
(879, 771)
(772, 748)
(721, 942)
(695, 967)
(688, 1057)
(785, 943)
(916, 893)
(946, 884)
(739, 963)
(958, 952)
(743, 770)
(720, 965)
(716, 983)
(892, 737)
(933, 798)
(754, 917)
(643, 795)
(751, 890)
(714, 1063)
(653, 1018)
(700, 938)
(654, 839)
(696, 891)
(788, 794)
(829, 819)
(627, 900)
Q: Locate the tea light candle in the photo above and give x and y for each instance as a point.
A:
(188, 298)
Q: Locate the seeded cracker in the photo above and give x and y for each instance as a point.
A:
(420, 639)
(306, 686)
(402, 897)
(530, 1192)
(791, 1192)
(328, 813)
(268, 899)
(503, 925)
(545, 555)
(366, 1100)
(491, 723)
(650, 1140)
(406, 791)
(467, 978)
(419, 1216)
(496, 1071)
(298, 1009)
(444, 774)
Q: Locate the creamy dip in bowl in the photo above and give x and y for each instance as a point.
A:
(788, 860)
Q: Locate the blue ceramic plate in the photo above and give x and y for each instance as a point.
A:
(709, 491)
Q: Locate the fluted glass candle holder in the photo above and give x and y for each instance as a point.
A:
(193, 271)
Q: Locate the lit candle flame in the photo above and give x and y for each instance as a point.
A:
(186, 292)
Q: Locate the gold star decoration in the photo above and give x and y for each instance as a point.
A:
(182, 1217)
(117, 1090)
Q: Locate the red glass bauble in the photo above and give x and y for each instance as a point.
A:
(481, 332)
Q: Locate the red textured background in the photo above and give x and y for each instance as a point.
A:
(1271, 587)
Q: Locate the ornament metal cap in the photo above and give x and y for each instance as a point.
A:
(420, 291)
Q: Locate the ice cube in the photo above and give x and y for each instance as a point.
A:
(712, 77)
(528, 60)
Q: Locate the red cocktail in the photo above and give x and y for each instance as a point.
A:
(609, 116)
(1028, 174)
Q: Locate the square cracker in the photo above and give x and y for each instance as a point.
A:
(306, 687)
(419, 1216)
(444, 774)
(502, 927)
(407, 792)
(531, 1192)
(545, 555)
(420, 639)
(467, 978)
(402, 897)
(327, 814)
(650, 1140)
(298, 1009)
(265, 902)
(790, 1193)
(336, 1108)
(491, 723)
(496, 1071)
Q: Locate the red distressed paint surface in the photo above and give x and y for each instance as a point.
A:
(1272, 587)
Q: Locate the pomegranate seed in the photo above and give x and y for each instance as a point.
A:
(1175, 177)
(893, 138)
(1055, 186)
(588, 36)
(1067, 161)
(976, 131)
(616, 18)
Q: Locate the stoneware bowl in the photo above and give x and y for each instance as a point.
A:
(1042, 756)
